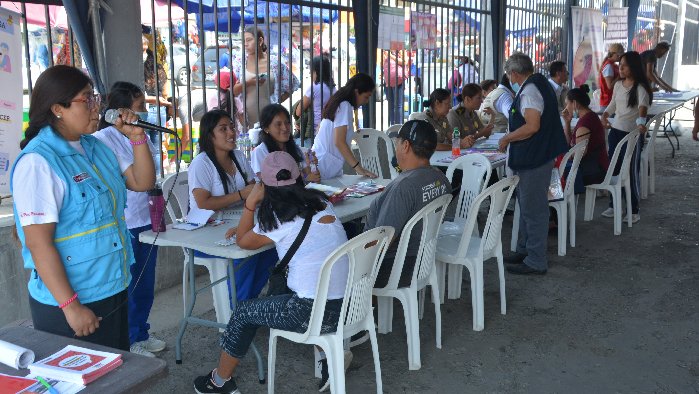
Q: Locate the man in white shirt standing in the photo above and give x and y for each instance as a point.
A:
(558, 76)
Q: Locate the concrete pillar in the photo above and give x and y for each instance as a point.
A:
(122, 42)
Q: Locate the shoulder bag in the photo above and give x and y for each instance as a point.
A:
(277, 279)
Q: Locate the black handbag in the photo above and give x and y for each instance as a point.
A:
(277, 279)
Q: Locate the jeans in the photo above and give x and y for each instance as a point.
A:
(112, 332)
(252, 276)
(395, 96)
(532, 194)
(286, 312)
(307, 143)
(615, 136)
(142, 295)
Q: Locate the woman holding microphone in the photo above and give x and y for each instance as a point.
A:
(69, 197)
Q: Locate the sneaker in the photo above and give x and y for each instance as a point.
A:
(136, 349)
(152, 344)
(324, 384)
(359, 338)
(516, 258)
(634, 218)
(205, 384)
(608, 213)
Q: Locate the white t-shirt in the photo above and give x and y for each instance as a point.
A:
(259, 154)
(320, 241)
(504, 102)
(608, 71)
(38, 197)
(202, 174)
(625, 117)
(324, 143)
(530, 97)
(137, 213)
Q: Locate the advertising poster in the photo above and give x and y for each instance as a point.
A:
(391, 28)
(423, 30)
(617, 27)
(11, 106)
(588, 46)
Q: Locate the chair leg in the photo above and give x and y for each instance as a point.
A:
(412, 325)
(375, 352)
(271, 363)
(184, 286)
(616, 197)
(385, 312)
(651, 165)
(515, 228)
(217, 270)
(628, 201)
(501, 272)
(572, 213)
(441, 269)
(455, 275)
(336, 365)
(562, 227)
(437, 312)
(644, 178)
(421, 302)
(590, 196)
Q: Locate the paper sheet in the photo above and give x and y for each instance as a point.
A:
(15, 356)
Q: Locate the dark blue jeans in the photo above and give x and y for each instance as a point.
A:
(286, 312)
(395, 96)
(142, 295)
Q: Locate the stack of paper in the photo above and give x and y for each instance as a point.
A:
(76, 365)
(196, 218)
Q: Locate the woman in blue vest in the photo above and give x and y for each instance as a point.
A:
(535, 139)
(69, 194)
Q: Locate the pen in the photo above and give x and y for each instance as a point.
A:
(48, 386)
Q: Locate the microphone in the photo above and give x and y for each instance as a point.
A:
(112, 114)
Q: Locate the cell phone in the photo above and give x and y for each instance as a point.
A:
(263, 76)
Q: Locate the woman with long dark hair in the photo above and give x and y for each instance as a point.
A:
(629, 104)
(275, 122)
(437, 107)
(263, 85)
(332, 144)
(317, 94)
(137, 214)
(69, 195)
(284, 206)
(221, 177)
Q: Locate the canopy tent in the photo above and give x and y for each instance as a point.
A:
(57, 14)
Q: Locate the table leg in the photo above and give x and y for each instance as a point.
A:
(192, 300)
(234, 303)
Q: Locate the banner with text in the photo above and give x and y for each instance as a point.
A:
(391, 28)
(617, 27)
(588, 46)
(11, 105)
(423, 30)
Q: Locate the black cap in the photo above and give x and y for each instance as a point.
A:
(417, 132)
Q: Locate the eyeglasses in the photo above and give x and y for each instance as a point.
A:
(92, 101)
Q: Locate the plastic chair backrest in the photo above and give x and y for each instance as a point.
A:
(631, 140)
(396, 128)
(180, 192)
(499, 194)
(578, 151)
(365, 253)
(413, 116)
(476, 170)
(431, 217)
(650, 147)
(368, 142)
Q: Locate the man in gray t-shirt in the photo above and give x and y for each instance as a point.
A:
(415, 187)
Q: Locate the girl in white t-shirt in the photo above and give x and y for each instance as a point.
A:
(275, 123)
(332, 144)
(219, 177)
(630, 102)
(284, 205)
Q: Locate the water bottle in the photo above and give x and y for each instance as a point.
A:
(456, 142)
(311, 156)
(248, 145)
(156, 206)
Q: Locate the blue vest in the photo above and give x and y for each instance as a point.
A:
(547, 143)
(91, 234)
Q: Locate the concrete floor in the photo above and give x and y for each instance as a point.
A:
(618, 314)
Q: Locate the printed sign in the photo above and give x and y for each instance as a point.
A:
(588, 46)
(10, 94)
(391, 28)
(617, 27)
(423, 30)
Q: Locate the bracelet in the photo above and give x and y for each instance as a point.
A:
(143, 141)
(241, 196)
(75, 297)
(355, 166)
(245, 204)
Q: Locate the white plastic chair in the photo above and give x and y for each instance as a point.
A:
(469, 251)
(396, 128)
(614, 185)
(218, 268)
(365, 253)
(368, 142)
(647, 170)
(476, 170)
(566, 209)
(424, 274)
(413, 116)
